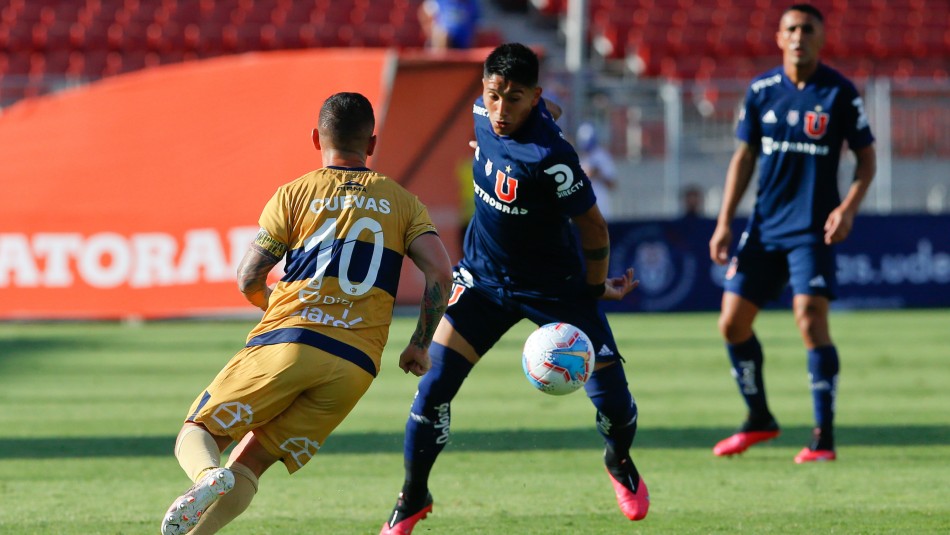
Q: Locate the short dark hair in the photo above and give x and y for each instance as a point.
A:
(514, 62)
(806, 8)
(348, 120)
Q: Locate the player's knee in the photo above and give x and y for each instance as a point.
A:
(734, 331)
(814, 329)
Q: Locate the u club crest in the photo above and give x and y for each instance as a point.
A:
(816, 124)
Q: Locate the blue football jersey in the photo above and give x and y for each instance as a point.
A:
(527, 187)
(800, 133)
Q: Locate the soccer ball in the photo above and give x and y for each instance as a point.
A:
(558, 358)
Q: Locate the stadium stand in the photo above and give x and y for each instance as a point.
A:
(43, 42)
(686, 39)
(47, 45)
(681, 39)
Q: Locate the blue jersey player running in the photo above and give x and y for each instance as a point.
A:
(794, 121)
(521, 260)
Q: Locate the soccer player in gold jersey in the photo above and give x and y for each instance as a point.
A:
(344, 230)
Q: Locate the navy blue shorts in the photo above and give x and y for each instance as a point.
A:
(483, 315)
(761, 275)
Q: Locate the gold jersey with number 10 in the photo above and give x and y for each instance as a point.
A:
(345, 232)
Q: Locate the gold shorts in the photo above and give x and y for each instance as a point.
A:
(291, 395)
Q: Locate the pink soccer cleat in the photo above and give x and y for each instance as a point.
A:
(742, 441)
(402, 520)
(633, 503)
(808, 455)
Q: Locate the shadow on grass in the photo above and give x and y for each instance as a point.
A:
(23, 353)
(487, 441)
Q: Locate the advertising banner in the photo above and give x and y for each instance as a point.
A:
(136, 196)
(887, 262)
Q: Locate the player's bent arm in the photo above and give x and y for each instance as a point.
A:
(595, 243)
(841, 219)
(738, 177)
(252, 275)
(428, 254)
(864, 173)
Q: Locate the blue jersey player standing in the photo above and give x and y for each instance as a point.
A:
(521, 260)
(794, 122)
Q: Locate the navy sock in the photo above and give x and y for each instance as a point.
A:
(823, 367)
(747, 359)
(427, 429)
(616, 411)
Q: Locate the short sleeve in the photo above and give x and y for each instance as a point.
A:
(572, 188)
(858, 131)
(748, 128)
(420, 223)
(275, 219)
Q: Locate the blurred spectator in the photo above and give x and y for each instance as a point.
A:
(598, 164)
(692, 201)
(449, 23)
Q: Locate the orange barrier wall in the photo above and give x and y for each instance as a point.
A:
(138, 195)
(424, 141)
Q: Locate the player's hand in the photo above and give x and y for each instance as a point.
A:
(415, 360)
(719, 244)
(838, 225)
(618, 287)
(473, 144)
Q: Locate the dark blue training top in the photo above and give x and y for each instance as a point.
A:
(800, 133)
(527, 187)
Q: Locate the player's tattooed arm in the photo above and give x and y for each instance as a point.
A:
(600, 253)
(429, 255)
(434, 303)
(261, 256)
(595, 242)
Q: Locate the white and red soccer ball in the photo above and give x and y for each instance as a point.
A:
(558, 358)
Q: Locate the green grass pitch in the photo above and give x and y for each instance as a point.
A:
(88, 414)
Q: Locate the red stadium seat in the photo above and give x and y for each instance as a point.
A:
(18, 64)
(56, 61)
(299, 13)
(95, 36)
(94, 63)
(76, 64)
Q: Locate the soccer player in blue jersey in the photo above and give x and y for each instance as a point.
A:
(794, 121)
(521, 260)
(344, 231)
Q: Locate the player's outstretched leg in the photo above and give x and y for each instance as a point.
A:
(427, 433)
(186, 511)
(406, 514)
(617, 423)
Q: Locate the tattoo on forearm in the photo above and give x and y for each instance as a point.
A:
(257, 267)
(434, 303)
(601, 253)
(252, 276)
